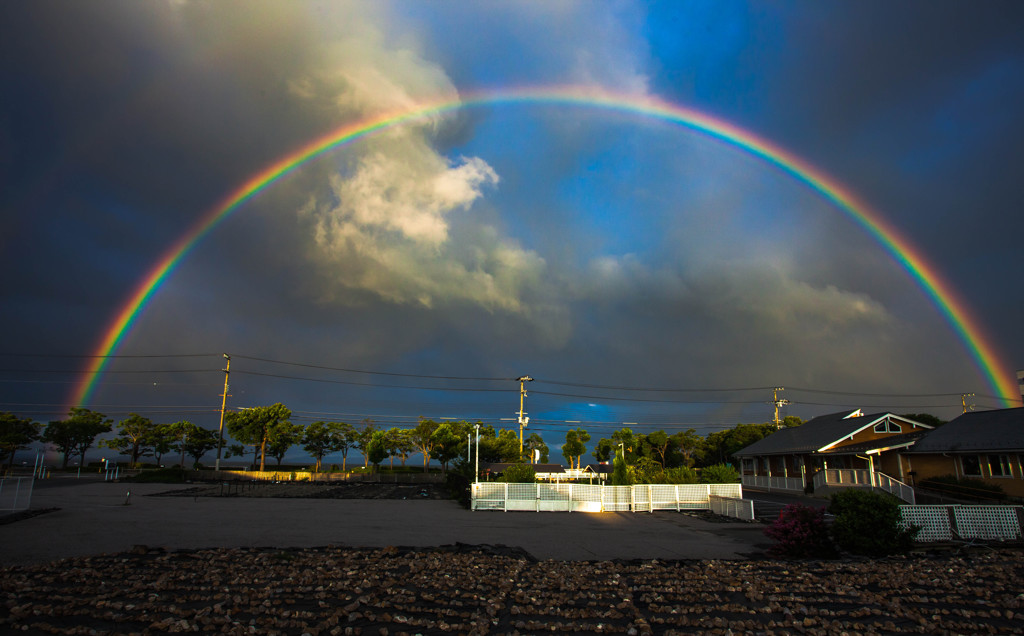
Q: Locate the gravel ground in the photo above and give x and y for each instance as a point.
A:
(496, 590)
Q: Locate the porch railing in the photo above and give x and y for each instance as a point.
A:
(773, 482)
(860, 478)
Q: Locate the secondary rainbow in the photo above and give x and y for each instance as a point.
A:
(942, 295)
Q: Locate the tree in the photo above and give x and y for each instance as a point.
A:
(603, 450)
(574, 446)
(686, 443)
(422, 439)
(15, 433)
(620, 473)
(198, 442)
(179, 432)
(660, 442)
(398, 443)
(255, 425)
(923, 418)
(281, 437)
(323, 438)
(77, 433)
(362, 440)
(629, 444)
(719, 446)
(161, 440)
(346, 439)
(133, 439)
(447, 439)
(376, 448)
(534, 443)
(236, 450)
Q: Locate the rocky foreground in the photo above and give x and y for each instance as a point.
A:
(493, 590)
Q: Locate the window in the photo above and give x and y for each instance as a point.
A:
(971, 465)
(888, 426)
(999, 466)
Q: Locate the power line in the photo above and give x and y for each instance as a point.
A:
(388, 373)
(370, 384)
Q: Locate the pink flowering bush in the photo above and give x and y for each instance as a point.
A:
(800, 533)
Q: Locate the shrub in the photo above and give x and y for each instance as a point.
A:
(458, 487)
(644, 471)
(964, 487)
(518, 474)
(719, 474)
(680, 475)
(869, 523)
(800, 533)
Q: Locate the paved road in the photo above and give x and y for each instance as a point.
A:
(94, 518)
(768, 505)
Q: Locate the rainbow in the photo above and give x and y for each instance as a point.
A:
(941, 294)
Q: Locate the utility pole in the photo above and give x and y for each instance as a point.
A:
(523, 421)
(476, 470)
(223, 406)
(778, 403)
(963, 401)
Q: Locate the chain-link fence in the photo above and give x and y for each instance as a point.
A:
(597, 498)
(15, 494)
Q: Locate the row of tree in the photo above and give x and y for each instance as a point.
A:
(262, 432)
(267, 431)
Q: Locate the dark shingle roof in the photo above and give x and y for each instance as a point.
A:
(1001, 430)
(811, 435)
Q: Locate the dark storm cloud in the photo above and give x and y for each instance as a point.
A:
(557, 242)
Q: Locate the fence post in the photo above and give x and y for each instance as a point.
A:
(650, 498)
(677, 497)
(953, 528)
(505, 500)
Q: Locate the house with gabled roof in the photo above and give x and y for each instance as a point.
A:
(846, 449)
(983, 445)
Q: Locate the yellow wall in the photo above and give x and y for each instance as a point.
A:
(938, 465)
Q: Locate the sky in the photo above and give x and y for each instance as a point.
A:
(641, 271)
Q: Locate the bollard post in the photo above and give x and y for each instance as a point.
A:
(128, 498)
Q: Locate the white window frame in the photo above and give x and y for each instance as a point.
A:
(1005, 467)
(963, 467)
(888, 426)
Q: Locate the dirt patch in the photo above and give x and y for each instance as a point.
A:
(306, 490)
(494, 590)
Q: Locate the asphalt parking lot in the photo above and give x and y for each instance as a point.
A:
(96, 517)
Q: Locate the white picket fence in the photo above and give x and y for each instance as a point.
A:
(544, 497)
